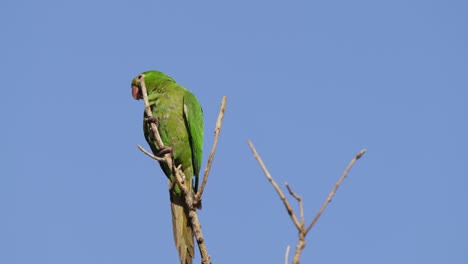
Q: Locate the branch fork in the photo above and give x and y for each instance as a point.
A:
(300, 224)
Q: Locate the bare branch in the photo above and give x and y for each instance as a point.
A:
(286, 256)
(205, 257)
(299, 200)
(219, 123)
(277, 188)
(299, 247)
(300, 226)
(333, 191)
(149, 154)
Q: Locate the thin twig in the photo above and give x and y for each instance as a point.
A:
(275, 185)
(219, 123)
(286, 256)
(149, 154)
(333, 191)
(299, 200)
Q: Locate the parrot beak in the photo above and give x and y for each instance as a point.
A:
(136, 93)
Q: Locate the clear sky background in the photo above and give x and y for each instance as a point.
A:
(311, 83)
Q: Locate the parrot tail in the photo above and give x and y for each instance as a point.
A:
(183, 235)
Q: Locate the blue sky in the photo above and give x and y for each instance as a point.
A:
(310, 83)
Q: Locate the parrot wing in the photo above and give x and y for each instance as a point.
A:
(193, 115)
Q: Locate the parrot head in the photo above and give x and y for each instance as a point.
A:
(153, 80)
(136, 87)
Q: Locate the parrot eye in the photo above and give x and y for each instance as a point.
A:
(139, 77)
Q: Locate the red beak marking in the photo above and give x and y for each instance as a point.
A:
(136, 93)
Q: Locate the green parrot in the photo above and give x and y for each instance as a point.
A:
(180, 122)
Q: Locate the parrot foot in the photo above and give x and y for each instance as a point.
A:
(152, 119)
(164, 151)
(198, 205)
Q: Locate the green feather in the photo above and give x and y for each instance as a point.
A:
(194, 120)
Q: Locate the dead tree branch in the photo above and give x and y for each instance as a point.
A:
(300, 225)
(219, 123)
(333, 191)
